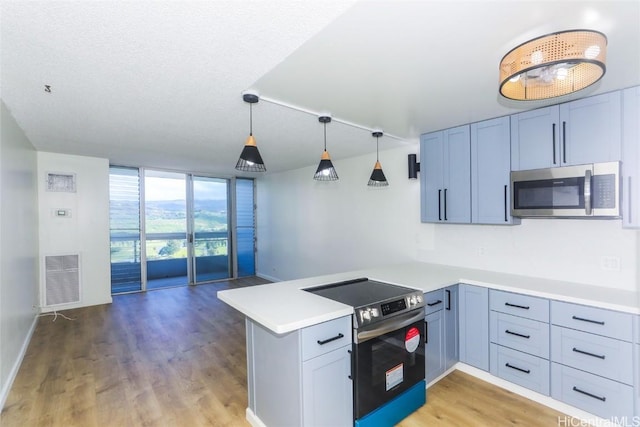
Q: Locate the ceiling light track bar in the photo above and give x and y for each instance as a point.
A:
(317, 113)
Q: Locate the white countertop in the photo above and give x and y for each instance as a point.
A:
(284, 307)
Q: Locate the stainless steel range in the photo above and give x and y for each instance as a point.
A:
(388, 348)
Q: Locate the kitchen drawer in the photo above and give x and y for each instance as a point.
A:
(519, 305)
(520, 368)
(529, 336)
(602, 356)
(599, 321)
(434, 301)
(325, 337)
(594, 394)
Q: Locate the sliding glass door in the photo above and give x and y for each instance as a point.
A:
(174, 229)
(210, 229)
(167, 252)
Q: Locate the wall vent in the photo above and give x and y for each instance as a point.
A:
(62, 279)
(61, 182)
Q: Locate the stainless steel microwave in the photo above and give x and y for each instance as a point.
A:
(591, 191)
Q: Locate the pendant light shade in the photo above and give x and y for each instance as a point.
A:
(250, 159)
(377, 176)
(325, 171)
(553, 65)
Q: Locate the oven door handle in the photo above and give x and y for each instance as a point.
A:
(391, 325)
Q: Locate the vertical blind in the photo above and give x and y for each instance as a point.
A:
(124, 229)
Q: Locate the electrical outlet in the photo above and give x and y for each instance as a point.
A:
(610, 263)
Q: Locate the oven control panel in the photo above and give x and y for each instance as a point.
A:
(377, 312)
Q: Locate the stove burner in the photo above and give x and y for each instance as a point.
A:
(372, 301)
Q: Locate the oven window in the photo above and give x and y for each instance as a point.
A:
(388, 365)
(567, 193)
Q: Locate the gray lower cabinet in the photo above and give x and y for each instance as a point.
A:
(451, 322)
(434, 354)
(326, 390)
(301, 378)
(442, 331)
(519, 330)
(474, 325)
(593, 361)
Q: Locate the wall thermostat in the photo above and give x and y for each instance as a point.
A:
(62, 213)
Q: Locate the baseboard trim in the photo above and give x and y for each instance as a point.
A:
(253, 419)
(18, 362)
(585, 418)
(267, 277)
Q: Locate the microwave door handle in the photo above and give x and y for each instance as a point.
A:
(587, 192)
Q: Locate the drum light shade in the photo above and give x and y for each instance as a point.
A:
(553, 65)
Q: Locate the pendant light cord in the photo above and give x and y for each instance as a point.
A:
(377, 141)
(250, 119)
(325, 136)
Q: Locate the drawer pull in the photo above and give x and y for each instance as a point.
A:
(328, 340)
(431, 304)
(524, 307)
(582, 319)
(586, 393)
(599, 356)
(517, 334)
(526, 371)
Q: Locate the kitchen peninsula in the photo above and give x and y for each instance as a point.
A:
(284, 312)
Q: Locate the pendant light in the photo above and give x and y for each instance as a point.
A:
(377, 176)
(325, 171)
(250, 159)
(553, 65)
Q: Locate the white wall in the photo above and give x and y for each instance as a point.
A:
(307, 228)
(86, 232)
(18, 248)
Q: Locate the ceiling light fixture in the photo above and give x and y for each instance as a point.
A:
(553, 65)
(377, 176)
(250, 159)
(325, 171)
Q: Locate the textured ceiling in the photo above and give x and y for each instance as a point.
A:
(160, 84)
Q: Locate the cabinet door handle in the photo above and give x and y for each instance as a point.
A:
(328, 340)
(448, 299)
(630, 221)
(426, 332)
(445, 204)
(353, 364)
(431, 304)
(586, 393)
(599, 356)
(526, 371)
(505, 204)
(517, 334)
(564, 142)
(582, 319)
(553, 138)
(524, 307)
(439, 205)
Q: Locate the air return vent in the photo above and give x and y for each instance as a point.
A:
(62, 182)
(62, 279)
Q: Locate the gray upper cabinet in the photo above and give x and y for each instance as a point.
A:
(587, 130)
(490, 172)
(631, 158)
(446, 176)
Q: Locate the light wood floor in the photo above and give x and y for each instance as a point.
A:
(176, 357)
